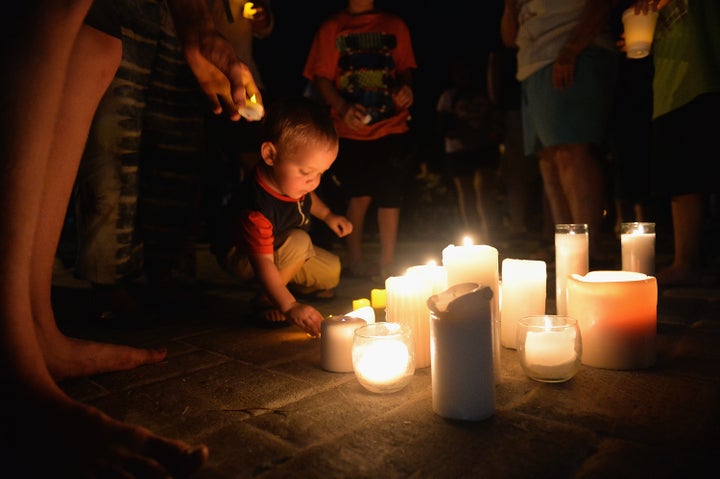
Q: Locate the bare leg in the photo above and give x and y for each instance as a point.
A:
(51, 435)
(687, 217)
(554, 192)
(388, 224)
(582, 181)
(69, 357)
(484, 189)
(356, 211)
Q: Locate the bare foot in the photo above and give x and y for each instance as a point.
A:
(50, 435)
(71, 358)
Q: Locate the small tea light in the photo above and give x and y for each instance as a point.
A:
(378, 298)
(336, 340)
(360, 303)
(549, 347)
(383, 357)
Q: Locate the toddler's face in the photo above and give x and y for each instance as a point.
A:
(297, 171)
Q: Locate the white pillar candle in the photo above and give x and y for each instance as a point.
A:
(336, 340)
(434, 274)
(571, 257)
(524, 291)
(637, 242)
(462, 371)
(406, 304)
(471, 263)
(617, 315)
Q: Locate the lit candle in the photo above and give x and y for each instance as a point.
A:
(462, 371)
(249, 10)
(382, 357)
(637, 241)
(432, 273)
(617, 315)
(524, 291)
(478, 264)
(360, 303)
(549, 347)
(336, 340)
(407, 305)
(571, 256)
(363, 312)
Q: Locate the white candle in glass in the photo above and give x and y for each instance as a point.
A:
(637, 242)
(549, 347)
(572, 256)
(406, 303)
(478, 264)
(524, 291)
(617, 315)
(383, 357)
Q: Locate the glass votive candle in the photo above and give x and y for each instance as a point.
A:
(637, 243)
(383, 357)
(549, 347)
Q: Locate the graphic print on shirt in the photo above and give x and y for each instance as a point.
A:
(366, 66)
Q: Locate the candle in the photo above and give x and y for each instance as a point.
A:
(336, 339)
(382, 357)
(549, 347)
(407, 305)
(364, 312)
(524, 290)
(617, 315)
(462, 371)
(571, 256)
(637, 241)
(378, 298)
(471, 263)
(360, 303)
(432, 273)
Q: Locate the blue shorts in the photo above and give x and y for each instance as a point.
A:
(574, 115)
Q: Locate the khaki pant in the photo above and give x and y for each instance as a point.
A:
(321, 269)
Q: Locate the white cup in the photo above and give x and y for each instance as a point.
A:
(639, 32)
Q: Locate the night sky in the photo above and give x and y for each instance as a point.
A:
(438, 32)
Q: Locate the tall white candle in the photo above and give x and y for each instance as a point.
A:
(524, 291)
(617, 315)
(571, 257)
(478, 264)
(462, 372)
(434, 274)
(406, 304)
(336, 340)
(637, 242)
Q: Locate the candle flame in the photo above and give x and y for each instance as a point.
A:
(253, 99)
(467, 241)
(432, 262)
(249, 10)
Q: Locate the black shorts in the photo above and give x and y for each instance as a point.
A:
(381, 168)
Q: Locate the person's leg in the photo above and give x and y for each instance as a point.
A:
(388, 224)
(68, 357)
(356, 211)
(582, 180)
(559, 206)
(485, 193)
(464, 192)
(45, 432)
(687, 217)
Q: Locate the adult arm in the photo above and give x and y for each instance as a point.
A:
(223, 78)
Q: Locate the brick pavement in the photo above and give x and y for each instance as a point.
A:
(261, 402)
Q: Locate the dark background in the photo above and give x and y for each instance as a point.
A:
(439, 31)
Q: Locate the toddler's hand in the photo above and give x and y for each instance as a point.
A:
(340, 225)
(305, 317)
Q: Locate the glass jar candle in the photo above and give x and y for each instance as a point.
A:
(383, 357)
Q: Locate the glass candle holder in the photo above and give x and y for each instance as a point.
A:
(572, 255)
(637, 242)
(549, 347)
(383, 357)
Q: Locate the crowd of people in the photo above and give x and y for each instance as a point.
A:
(88, 109)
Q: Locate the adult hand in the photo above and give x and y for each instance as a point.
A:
(354, 116)
(223, 78)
